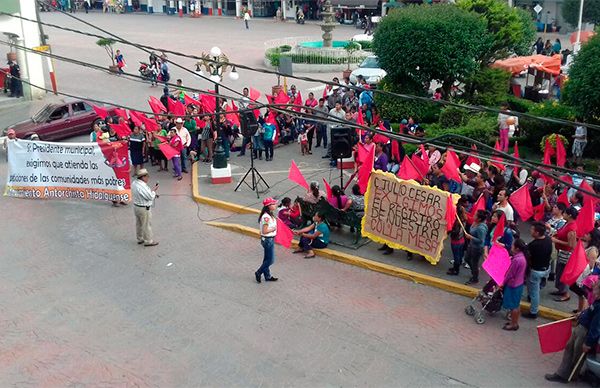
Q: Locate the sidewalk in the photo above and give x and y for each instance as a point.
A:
(315, 168)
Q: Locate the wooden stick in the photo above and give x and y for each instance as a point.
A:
(461, 224)
(576, 366)
(562, 320)
(415, 167)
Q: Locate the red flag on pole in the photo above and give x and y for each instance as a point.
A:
(281, 98)
(231, 116)
(561, 153)
(421, 165)
(539, 211)
(101, 112)
(284, 234)
(156, 106)
(295, 175)
(190, 101)
(450, 168)
(136, 118)
(496, 159)
(517, 156)
(478, 205)
(395, 150)
(473, 157)
(585, 186)
(298, 101)
(168, 151)
(424, 157)
(499, 229)
(176, 107)
(122, 113)
(564, 196)
(409, 171)
(364, 171)
(521, 202)
(585, 219)
(575, 265)
(554, 336)
(121, 129)
(450, 213)
(548, 152)
(254, 94)
(327, 189)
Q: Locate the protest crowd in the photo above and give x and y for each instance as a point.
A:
(498, 198)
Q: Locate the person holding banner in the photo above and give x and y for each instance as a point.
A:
(584, 337)
(143, 200)
(268, 231)
(514, 281)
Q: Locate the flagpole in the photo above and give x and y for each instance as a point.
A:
(555, 322)
(461, 224)
(415, 167)
(576, 367)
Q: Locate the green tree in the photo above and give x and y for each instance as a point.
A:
(418, 44)
(581, 91)
(591, 11)
(511, 28)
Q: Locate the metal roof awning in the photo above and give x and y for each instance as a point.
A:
(355, 3)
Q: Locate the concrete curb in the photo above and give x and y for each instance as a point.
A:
(391, 270)
(215, 202)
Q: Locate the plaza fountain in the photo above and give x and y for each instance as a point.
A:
(328, 24)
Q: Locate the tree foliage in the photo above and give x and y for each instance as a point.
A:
(487, 87)
(581, 90)
(417, 44)
(591, 11)
(512, 29)
(108, 44)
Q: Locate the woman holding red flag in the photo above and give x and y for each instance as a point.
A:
(565, 240)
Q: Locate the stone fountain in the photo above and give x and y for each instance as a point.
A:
(328, 24)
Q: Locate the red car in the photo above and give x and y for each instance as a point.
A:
(60, 120)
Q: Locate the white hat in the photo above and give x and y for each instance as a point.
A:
(179, 120)
(142, 172)
(473, 167)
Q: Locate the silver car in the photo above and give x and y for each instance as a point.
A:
(370, 70)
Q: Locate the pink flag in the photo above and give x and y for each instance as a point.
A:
(561, 153)
(168, 151)
(327, 189)
(450, 213)
(364, 171)
(516, 156)
(254, 94)
(296, 176)
(521, 201)
(103, 113)
(497, 159)
(284, 234)
(554, 336)
(450, 168)
(497, 263)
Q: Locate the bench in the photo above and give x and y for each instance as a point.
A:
(332, 215)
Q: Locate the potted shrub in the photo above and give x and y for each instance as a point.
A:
(350, 48)
(107, 44)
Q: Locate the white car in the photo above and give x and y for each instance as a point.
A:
(370, 70)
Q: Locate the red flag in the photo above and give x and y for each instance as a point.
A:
(585, 186)
(585, 219)
(168, 151)
(521, 202)
(425, 157)
(284, 234)
(554, 336)
(409, 171)
(150, 124)
(473, 157)
(548, 152)
(564, 196)
(209, 102)
(450, 213)
(156, 106)
(254, 94)
(378, 138)
(499, 229)
(395, 150)
(497, 159)
(121, 129)
(233, 117)
(450, 168)
(575, 265)
(362, 153)
(103, 113)
(539, 211)
(478, 205)
(121, 113)
(176, 107)
(136, 118)
(561, 153)
(270, 99)
(298, 101)
(327, 89)
(190, 101)
(295, 175)
(162, 139)
(281, 98)
(421, 165)
(517, 156)
(327, 189)
(364, 171)
(360, 120)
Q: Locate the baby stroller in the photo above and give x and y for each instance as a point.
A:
(490, 298)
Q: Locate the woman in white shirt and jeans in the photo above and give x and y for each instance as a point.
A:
(268, 231)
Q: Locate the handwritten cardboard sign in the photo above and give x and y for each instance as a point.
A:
(405, 215)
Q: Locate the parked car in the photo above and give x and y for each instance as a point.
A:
(60, 120)
(370, 70)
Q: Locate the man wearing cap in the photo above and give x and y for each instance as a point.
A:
(186, 140)
(10, 137)
(143, 199)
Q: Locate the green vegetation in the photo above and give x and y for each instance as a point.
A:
(581, 91)
(273, 55)
(591, 11)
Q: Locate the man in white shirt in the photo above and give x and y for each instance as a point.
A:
(337, 113)
(186, 140)
(503, 205)
(143, 199)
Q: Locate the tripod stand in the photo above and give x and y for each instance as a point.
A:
(256, 177)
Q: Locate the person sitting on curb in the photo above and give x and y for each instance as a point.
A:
(314, 236)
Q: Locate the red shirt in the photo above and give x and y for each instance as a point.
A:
(562, 235)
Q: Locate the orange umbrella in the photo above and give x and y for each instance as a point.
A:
(584, 37)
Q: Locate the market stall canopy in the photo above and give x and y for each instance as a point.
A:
(585, 36)
(543, 63)
(370, 4)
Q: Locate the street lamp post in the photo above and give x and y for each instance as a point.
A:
(217, 64)
(577, 44)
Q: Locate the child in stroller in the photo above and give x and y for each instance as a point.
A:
(490, 298)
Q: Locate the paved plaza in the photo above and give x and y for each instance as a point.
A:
(81, 304)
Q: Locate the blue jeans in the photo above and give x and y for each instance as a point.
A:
(458, 251)
(533, 288)
(268, 244)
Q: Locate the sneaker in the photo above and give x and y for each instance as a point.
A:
(272, 279)
(257, 276)
(471, 281)
(451, 261)
(529, 315)
(467, 266)
(152, 244)
(555, 378)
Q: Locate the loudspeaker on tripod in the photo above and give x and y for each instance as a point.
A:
(248, 123)
(342, 140)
